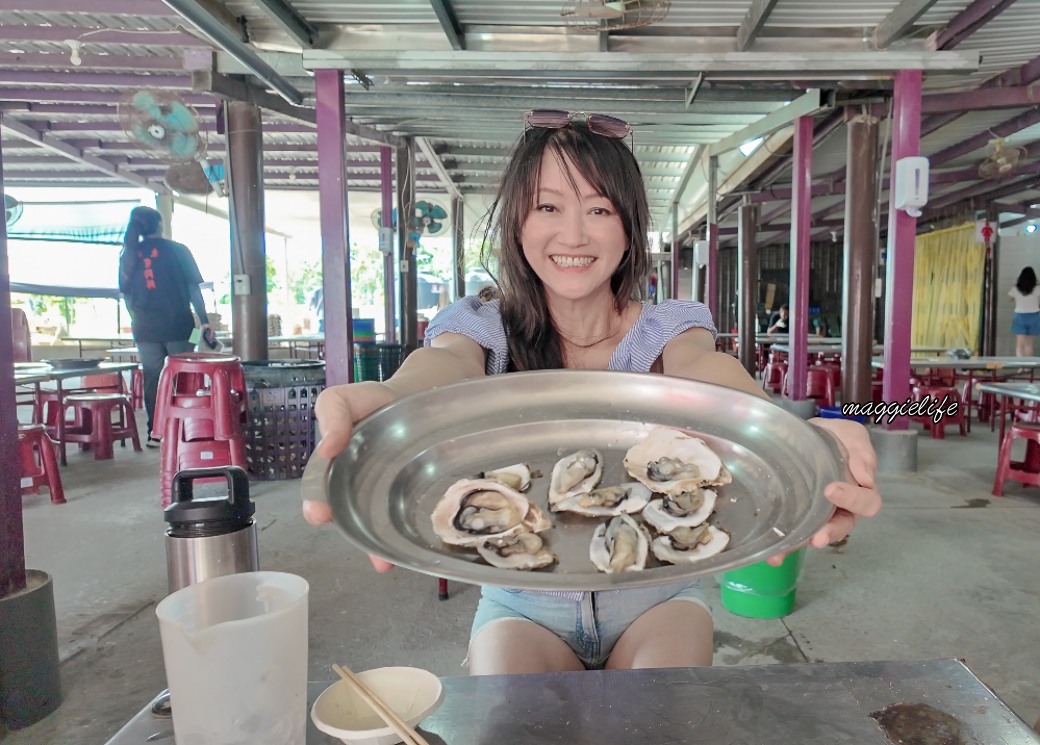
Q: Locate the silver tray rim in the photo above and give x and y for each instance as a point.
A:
(321, 474)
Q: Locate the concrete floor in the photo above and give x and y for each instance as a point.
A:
(946, 570)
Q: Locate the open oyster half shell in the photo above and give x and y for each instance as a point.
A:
(670, 462)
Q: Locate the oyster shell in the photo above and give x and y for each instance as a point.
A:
(476, 510)
(630, 497)
(686, 545)
(686, 509)
(671, 462)
(576, 474)
(517, 477)
(522, 551)
(620, 545)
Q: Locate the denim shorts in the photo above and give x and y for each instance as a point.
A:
(1027, 324)
(589, 622)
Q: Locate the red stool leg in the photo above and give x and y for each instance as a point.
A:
(442, 589)
(29, 468)
(101, 431)
(49, 458)
(130, 424)
(1003, 463)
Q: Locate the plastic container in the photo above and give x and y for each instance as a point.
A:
(235, 651)
(411, 692)
(280, 434)
(834, 412)
(376, 361)
(761, 590)
(363, 329)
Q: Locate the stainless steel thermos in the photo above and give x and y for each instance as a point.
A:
(209, 537)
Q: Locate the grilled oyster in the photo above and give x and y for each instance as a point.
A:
(473, 511)
(686, 509)
(576, 474)
(686, 545)
(522, 551)
(621, 545)
(671, 462)
(630, 497)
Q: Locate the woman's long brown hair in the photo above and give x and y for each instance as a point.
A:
(611, 168)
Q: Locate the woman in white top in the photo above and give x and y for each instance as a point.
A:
(1026, 323)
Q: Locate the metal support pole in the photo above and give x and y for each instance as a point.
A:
(386, 242)
(245, 176)
(801, 217)
(711, 281)
(988, 346)
(899, 261)
(861, 236)
(747, 281)
(12, 532)
(405, 210)
(676, 251)
(458, 218)
(335, 235)
(164, 203)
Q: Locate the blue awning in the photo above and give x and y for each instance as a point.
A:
(72, 222)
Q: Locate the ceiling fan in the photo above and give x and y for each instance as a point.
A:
(610, 15)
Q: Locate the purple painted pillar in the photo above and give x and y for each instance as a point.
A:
(899, 261)
(711, 269)
(12, 535)
(801, 216)
(386, 240)
(673, 292)
(335, 238)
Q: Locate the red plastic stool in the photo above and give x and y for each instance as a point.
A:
(183, 446)
(773, 376)
(819, 385)
(938, 394)
(137, 388)
(96, 428)
(39, 464)
(183, 392)
(1026, 471)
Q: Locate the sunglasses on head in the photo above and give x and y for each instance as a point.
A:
(600, 124)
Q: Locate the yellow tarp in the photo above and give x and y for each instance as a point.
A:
(948, 275)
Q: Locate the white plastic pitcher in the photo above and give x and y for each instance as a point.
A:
(235, 650)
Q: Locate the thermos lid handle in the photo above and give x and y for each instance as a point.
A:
(236, 477)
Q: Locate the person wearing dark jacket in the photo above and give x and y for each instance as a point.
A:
(160, 282)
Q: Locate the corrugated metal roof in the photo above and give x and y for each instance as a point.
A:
(473, 121)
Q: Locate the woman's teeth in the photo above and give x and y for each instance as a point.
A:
(572, 260)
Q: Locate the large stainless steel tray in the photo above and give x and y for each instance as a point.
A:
(401, 459)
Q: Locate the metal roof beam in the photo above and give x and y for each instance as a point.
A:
(226, 39)
(291, 22)
(92, 80)
(635, 65)
(129, 8)
(36, 61)
(900, 21)
(49, 142)
(806, 105)
(970, 20)
(709, 93)
(446, 17)
(753, 22)
(1019, 209)
(102, 36)
(438, 166)
(982, 98)
(235, 88)
(45, 95)
(684, 179)
(1003, 129)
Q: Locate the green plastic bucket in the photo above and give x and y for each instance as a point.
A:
(761, 590)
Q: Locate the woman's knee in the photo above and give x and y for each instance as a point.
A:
(677, 633)
(513, 645)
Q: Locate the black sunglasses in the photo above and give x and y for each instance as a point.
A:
(600, 124)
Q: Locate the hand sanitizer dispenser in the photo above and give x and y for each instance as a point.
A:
(911, 184)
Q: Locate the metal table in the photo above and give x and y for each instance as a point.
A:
(36, 377)
(812, 704)
(1004, 391)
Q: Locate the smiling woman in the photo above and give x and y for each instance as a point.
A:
(569, 231)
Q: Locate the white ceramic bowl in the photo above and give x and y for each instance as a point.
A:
(412, 693)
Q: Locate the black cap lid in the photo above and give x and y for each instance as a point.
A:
(189, 517)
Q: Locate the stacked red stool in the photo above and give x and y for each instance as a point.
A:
(199, 411)
(39, 462)
(939, 394)
(93, 424)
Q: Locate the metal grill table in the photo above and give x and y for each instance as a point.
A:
(812, 704)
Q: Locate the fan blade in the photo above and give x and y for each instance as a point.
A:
(438, 212)
(434, 227)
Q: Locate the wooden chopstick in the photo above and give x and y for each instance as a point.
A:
(407, 734)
